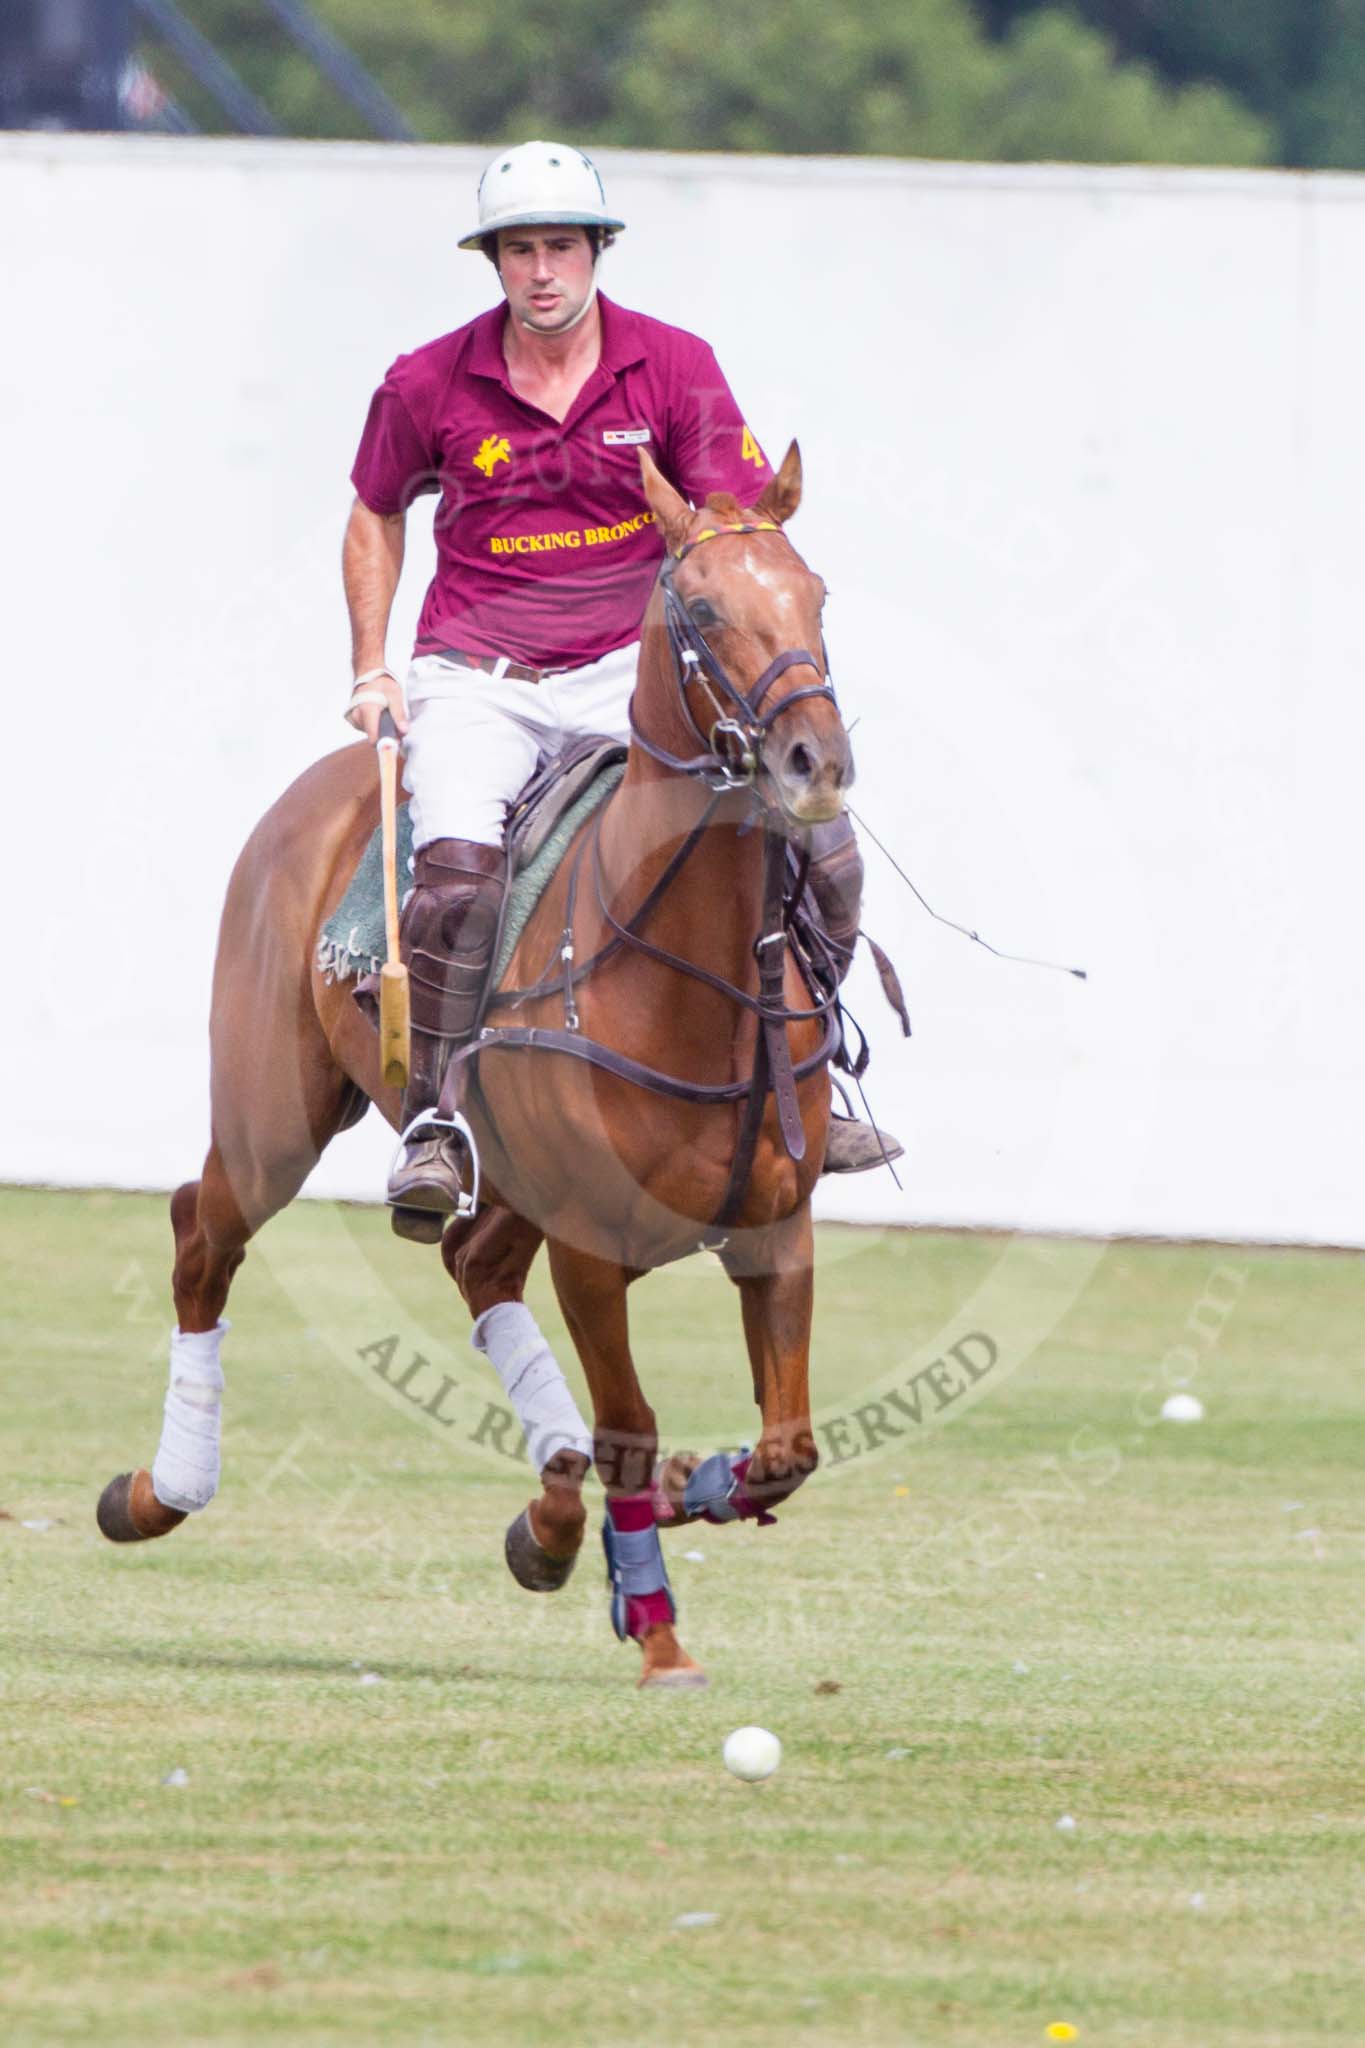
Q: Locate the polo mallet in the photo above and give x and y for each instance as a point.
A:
(395, 1042)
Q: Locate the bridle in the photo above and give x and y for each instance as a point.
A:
(732, 751)
(730, 758)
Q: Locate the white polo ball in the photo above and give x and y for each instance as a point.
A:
(1182, 1408)
(751, 1754)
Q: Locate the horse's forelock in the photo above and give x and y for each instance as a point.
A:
(725, 507)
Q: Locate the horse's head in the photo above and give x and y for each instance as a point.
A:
(741, 612)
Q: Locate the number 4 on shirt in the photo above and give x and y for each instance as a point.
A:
(749, 450)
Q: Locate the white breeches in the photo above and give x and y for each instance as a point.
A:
(475, 739)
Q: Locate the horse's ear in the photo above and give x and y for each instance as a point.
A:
(672, 513)
(783, 494)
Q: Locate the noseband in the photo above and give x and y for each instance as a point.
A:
(732, 752)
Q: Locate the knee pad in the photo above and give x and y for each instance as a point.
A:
(449, 926)
(836, 883)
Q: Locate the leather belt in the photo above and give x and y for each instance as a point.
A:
(489, 662)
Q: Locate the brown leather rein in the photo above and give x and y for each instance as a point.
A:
(729, 760)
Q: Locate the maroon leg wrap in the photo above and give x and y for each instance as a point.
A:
(747, 1510)
(638, 1557)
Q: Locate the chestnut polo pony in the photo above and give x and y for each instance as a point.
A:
(653, 1073)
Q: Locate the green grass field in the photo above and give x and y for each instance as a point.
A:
(425, 1807)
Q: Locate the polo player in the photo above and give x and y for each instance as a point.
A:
(528, 422)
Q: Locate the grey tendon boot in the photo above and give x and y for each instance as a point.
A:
(835, 881)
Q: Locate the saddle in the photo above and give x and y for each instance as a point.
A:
(554, 788)
(562, 794)
(564, 790)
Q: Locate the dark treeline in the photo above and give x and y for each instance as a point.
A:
(1300, 64)
(1155, 81)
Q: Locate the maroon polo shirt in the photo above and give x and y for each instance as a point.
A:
(545, 547)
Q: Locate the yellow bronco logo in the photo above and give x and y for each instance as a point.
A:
(492, 450)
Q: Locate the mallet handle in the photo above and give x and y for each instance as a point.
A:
(394, 1023)
(388, 814)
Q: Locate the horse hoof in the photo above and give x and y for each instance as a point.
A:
(675, 1678)
(531, 1566)
(129, 1511)
(667, 1664)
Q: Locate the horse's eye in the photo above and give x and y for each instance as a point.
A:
(702, 614)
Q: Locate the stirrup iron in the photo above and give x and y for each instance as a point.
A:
(467, 1201)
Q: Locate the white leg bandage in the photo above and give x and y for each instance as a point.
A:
(508, 1337)
(186, 1472)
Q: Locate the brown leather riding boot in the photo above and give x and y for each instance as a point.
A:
(449, 926)
(836, 883)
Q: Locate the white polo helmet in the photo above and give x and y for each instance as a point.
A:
(540, 184)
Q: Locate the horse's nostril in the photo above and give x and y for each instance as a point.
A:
(800, 764)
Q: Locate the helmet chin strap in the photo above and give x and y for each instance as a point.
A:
(569, 325)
